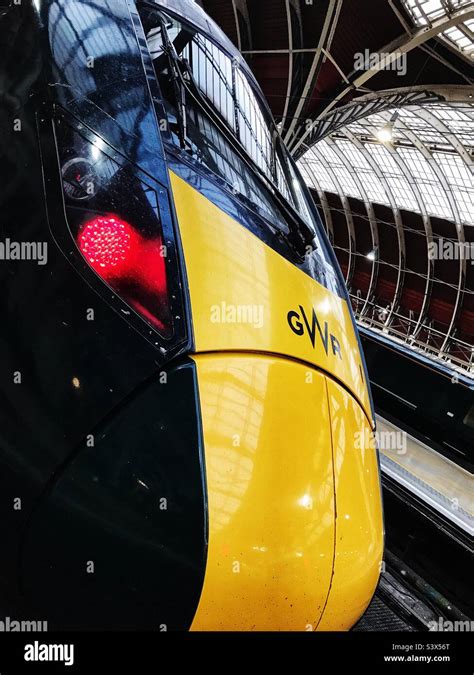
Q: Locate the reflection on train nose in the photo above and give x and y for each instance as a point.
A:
(270, 491)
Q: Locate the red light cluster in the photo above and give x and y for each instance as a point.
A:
(109, 246)
(132, 264)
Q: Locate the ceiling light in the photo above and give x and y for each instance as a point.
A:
(385, 133)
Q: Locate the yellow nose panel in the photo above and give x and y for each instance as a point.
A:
(359, 523)
(269, 473)
(246, 297)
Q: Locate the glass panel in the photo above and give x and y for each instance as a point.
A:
(442, 128)
(373, 186)
(432, 192)
(341, 174)
(400, 187)
(229, 92)
(426, 12)
(461, 182)
(318, 174)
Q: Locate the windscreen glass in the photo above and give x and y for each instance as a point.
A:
(232, 97)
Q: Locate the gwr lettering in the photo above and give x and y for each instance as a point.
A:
(298, 322)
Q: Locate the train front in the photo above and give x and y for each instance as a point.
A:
(223, 475)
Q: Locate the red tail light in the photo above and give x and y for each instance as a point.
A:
(134, 266)
(109, 245)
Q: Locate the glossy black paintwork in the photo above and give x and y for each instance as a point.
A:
(134, 506)
(71, 372)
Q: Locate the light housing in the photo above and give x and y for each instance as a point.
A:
(120, 221)
(132, 265)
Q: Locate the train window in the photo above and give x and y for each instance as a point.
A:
(204, 139)
(254, 133)
(211, 148)
(232, 98)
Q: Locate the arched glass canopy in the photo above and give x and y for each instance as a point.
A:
(407, 252)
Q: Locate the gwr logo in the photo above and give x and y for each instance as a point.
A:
(298, 322)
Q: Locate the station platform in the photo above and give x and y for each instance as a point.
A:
(444, 485)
